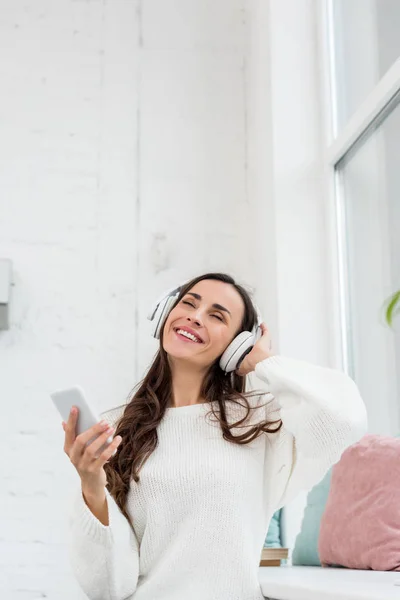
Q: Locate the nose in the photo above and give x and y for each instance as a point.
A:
(195, 320)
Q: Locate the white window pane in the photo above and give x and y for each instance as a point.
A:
(370, 190)
(367, 43)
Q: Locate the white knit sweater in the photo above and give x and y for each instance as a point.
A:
(202, 508)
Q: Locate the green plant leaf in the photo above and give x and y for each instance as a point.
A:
(393, 307)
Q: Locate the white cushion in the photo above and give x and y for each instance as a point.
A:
(316, 583)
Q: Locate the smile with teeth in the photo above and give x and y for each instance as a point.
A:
(186, 334)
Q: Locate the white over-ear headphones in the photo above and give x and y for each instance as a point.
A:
(234, 353)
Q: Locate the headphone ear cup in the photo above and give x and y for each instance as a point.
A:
(237, 349)
(161, 314)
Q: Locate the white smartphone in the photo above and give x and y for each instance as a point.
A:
(65, 399)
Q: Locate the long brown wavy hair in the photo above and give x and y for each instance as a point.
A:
(138, 424)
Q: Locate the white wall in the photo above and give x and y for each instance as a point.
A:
(304, 278)
(123, 161)
(297, 182)
(145, 142)
(68, 150)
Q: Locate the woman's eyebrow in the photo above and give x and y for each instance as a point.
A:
(219, 306)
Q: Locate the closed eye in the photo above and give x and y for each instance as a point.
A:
(190, 304)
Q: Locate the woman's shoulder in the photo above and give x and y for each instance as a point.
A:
(112, 415)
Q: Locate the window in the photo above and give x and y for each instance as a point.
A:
(362, 53)
(366, 43)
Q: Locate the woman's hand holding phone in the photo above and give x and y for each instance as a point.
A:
(85, 457)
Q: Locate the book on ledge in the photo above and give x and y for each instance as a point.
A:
(271, 557)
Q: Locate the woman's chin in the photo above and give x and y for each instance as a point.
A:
(175, 352)
(183, 350)
(181, 346)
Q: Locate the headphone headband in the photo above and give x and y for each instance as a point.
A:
(172, 292)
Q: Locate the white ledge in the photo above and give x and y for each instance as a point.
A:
(317, 583)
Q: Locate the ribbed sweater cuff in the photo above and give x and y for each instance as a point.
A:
(88, 524)
(261, 367)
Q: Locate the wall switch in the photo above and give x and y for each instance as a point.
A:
(5, 292)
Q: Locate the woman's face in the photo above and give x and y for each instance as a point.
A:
(213, 311)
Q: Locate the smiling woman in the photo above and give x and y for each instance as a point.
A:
(208, 489)
(215, 309)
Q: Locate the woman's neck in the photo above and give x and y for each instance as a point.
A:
(186, 386)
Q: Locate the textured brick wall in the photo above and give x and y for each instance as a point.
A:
(123, 154)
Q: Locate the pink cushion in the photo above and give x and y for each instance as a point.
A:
(360, 527)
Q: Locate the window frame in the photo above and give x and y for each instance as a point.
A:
(337, 143)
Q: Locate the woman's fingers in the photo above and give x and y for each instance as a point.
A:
(107, 453)
(83, 440)
(266, 334)
(92, 450)
(74, 445)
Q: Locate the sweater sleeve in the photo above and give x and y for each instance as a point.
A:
(322, 414)
(104, 559)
